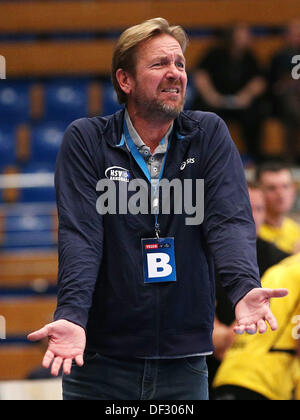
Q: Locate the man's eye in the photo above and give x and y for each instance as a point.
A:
(181, 65)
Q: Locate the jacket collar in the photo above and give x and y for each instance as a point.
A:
(184, 127)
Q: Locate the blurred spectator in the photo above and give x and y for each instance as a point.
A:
(267, 367)
(280, 193)
(285, 91)
(268, 255)
(229, 82)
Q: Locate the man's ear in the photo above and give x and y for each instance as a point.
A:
(125, 81)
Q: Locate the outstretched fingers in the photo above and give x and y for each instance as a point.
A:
(48, 358)
(262, 326)
(272, 321)
(56, 362)
(67, 366)
(239, 329)
(56, 365)
(79, 360)
(248, 328)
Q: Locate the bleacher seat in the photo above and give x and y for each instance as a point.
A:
(31, 238)
(109, 99)
(37, 195)
(28, 228)
(15, 224)
(46, 139)
(66, 100)
(7, 145)
(35, 239)
(41, 186)
(14, 102)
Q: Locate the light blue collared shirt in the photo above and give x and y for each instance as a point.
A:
(154, 161)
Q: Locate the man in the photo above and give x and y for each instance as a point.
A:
(234, 89)
(267, 367)
(284, 89)
(280, 194)
(145, 335)
(267, 253)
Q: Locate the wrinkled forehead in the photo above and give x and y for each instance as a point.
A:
(159, 45)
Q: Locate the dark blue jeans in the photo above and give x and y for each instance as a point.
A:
(106, 378)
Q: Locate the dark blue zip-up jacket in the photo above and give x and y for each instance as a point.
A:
(101, 281)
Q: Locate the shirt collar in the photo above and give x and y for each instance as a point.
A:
(161, 148)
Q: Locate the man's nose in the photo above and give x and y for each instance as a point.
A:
(173, 73)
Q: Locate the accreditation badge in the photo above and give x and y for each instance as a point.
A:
(159, 260)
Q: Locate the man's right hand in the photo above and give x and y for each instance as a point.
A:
(67, 341)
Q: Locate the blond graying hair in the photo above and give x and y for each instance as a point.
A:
(124, 56)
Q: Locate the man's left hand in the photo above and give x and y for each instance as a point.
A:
(253, 311)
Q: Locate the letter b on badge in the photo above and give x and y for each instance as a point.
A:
(159, 260)
(158, 265)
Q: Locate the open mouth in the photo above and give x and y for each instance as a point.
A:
(171, 90)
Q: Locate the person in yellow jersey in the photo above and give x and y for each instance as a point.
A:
(280, 193)
(267, 367)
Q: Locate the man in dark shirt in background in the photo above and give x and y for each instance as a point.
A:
(285, 90)
(230, 83)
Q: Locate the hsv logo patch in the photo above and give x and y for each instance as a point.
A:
(159, 260)
(116, 173)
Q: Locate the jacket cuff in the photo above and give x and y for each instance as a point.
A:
(236, 295)
(73, 314)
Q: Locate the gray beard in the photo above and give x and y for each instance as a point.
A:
(158, 110)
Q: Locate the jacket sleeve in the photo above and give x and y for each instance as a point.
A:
(228, 222)
(80, 240)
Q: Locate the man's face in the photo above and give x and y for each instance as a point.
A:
(242, 37)
(159, 86)
(258, 206)
(279, 190)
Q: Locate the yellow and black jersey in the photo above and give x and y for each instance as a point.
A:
(284, 237)
(268, 363)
